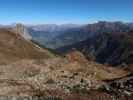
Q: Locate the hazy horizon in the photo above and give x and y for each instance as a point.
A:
(34, 24)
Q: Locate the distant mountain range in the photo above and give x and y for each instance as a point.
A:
(105, 42)
(47, 32)
(91, 30)
(55, 36)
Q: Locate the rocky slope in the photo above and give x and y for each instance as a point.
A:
(14, 47)
(57, 77)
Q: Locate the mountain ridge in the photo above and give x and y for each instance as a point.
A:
(15, 46)
(90, 30)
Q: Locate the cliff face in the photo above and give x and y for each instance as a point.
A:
(22, 30)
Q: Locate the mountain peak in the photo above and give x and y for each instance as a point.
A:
(21, 30)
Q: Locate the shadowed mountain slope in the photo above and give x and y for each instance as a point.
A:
(110, 48)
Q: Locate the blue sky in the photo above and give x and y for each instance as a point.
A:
(65, 11)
